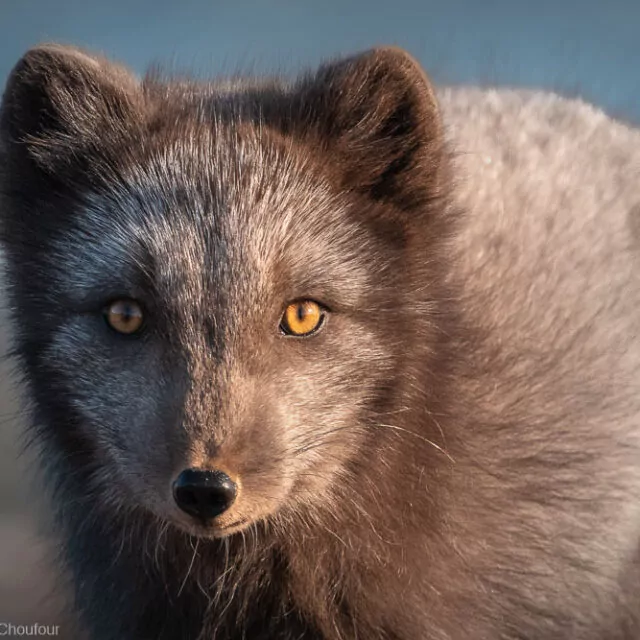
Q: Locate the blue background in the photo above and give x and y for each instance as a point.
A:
(588, 47)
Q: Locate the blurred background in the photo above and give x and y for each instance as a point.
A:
(588, 48)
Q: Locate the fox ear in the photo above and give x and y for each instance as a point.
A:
(59, 100)
(377, 115)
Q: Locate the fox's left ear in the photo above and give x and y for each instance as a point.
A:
(377, 116)
(59, 102)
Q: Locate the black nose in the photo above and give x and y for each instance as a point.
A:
(204, 494)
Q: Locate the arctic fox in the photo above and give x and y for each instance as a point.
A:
(339, 357)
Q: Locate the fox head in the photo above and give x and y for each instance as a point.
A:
(218, 289)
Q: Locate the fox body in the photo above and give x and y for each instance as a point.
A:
(453, 452)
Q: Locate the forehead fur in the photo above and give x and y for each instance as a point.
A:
(204, 201)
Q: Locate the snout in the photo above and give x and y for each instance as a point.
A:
(204, 494)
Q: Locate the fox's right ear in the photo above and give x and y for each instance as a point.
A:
(377, 116)
(59, 101)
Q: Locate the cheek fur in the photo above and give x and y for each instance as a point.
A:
(327, 404)
(120, 401)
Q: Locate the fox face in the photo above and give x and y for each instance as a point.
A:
(212, 284)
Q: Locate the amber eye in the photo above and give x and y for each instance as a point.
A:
(124, 316)
(302, 318)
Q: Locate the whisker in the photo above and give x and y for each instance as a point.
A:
(417, 435)
(193, 559)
